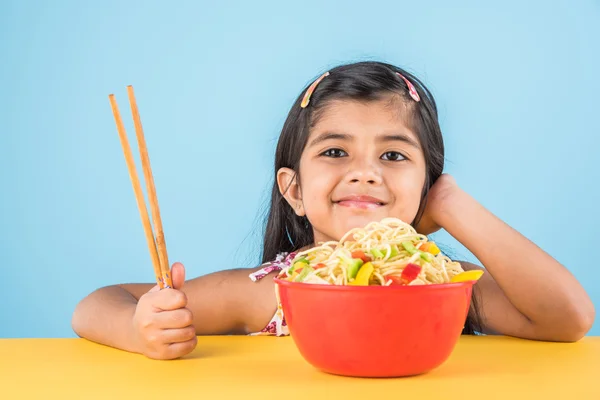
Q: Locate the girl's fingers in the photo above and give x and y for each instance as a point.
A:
(180, 318)
(156, 288)
(167, 299)
(179, 335)
(175, 350)
(178, 275)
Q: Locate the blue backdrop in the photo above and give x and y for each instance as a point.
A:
(517, 85)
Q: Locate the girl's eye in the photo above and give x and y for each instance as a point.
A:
(335, 153)
(392, 156)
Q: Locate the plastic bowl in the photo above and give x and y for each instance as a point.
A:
(375, 331)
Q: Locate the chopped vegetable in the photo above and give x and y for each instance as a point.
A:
(354, 265)
(363, 276)
(298, 265)
(320, 265)
(409, 274)
(303, 273)
(410, 247)
(394, 251)
(361, 254)
(472, 275)
(395, 280)
(426, 256)
(377, 253)
(431, 248)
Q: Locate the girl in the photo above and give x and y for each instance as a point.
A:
(360, 144)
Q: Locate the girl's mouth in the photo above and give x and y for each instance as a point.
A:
(360, 202)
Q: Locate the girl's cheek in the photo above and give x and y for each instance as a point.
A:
(407, 190)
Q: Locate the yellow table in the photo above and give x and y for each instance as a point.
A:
(271, 368)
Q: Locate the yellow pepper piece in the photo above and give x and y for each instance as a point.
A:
(433, 249)
(363, 275)
(293, 276)
(467, 276)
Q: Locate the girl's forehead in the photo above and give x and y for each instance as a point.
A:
(359, 118)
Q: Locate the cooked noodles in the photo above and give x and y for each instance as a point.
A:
(389, 252)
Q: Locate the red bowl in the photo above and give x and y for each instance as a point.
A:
(375, 331)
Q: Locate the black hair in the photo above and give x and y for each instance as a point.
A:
(363, 81)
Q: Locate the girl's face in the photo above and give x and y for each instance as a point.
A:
(362, 163)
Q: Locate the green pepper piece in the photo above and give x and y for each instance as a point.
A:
(394, 251)
(408, 246)
(377, 253)
(307, 270)
(426, 256)
(353, 265)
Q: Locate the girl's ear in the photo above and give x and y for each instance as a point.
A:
(290, 189)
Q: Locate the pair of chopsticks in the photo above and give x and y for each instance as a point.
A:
(158, 247)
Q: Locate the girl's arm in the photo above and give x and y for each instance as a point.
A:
(526, 292)
(225, 302)
(164, 324)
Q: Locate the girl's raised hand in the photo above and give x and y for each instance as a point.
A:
(438, 199)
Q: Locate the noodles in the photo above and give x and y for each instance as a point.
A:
(389, 252)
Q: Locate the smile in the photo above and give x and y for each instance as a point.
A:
(360, 202)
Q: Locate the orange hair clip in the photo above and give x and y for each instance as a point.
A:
(311, 89)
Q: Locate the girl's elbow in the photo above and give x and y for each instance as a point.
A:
(80, 319)
(577, 324)
(77, 321)
(585, 321)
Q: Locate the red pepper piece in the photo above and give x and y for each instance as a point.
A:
(361, 255)
(409, 274)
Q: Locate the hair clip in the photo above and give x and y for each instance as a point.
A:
(311, 89)
(411, 89)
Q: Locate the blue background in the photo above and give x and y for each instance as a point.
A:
(517, 85)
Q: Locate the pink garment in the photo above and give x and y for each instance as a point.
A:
(277, 326)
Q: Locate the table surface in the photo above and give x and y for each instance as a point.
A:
(485, 367)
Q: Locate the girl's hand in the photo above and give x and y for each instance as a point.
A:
(437, 199)
(162, 324)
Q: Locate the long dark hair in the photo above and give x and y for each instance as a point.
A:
(364, 81)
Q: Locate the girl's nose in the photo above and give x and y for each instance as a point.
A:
(365, 172)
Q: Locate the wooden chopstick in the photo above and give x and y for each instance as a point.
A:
(151, 189)
(163, 277)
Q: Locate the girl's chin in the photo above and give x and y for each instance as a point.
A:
(361, 220)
